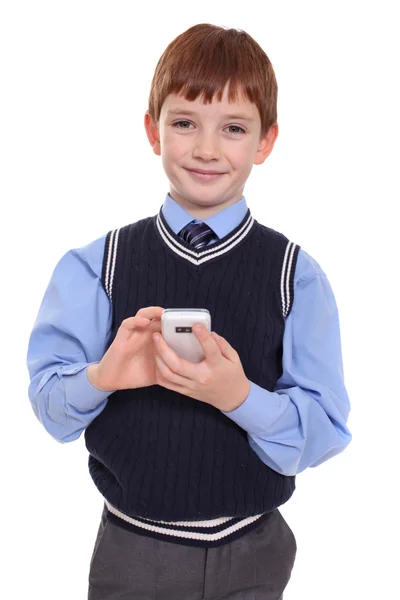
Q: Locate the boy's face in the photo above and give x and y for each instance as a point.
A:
(221, 140)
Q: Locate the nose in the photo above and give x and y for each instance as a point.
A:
(206, 147)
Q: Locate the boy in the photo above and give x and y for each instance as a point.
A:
(193, 460)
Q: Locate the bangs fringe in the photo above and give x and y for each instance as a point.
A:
(202, 60)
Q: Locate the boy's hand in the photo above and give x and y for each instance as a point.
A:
(129, 362)
(219, 379)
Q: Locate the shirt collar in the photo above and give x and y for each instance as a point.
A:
(221, 223)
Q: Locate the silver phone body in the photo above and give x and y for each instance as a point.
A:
(176, 329)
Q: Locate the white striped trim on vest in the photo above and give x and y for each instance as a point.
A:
(190, 529)
(111, 260)
(200, 256)
(285, 278)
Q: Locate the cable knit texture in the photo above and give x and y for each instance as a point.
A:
(158, 454)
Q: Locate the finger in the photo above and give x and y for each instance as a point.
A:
(143, 317)
(226, 349)
(167, 376)
(150, 312)
(131, 326)
(155, 326)
(132, 322)
(175, 363)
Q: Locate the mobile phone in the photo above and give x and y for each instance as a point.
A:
(176, 329)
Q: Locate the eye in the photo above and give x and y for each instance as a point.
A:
(179, 123)
(241, 130)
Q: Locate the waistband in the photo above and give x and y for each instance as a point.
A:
(208, 533)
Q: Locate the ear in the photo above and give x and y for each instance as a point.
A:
(152, 133)
(266, 144)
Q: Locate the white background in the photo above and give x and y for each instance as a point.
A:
(75, 163)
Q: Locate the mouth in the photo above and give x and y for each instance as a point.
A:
(204, 175)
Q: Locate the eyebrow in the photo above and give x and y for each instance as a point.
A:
(191, 113)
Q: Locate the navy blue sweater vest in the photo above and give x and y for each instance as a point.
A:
(159, 455)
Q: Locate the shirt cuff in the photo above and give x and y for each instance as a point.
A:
(260, 410)
(77, 385)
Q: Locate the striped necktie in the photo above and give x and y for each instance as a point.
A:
(197, 235)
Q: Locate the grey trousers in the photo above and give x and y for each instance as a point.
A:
(257, 566)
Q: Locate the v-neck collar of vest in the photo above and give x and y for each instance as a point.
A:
(202, 255)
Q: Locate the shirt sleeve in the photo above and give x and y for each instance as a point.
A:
(302, 423)
(70, 332)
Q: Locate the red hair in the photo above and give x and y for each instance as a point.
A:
(203, 59)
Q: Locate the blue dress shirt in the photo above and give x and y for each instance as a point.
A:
(301, 423)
